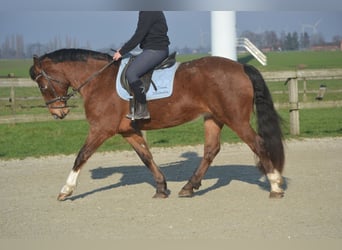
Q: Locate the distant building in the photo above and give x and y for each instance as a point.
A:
(327, 47)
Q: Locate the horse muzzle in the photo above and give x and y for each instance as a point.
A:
(59, 113)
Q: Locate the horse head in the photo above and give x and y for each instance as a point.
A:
(53, 86)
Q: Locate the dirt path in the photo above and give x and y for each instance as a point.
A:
(113, 199)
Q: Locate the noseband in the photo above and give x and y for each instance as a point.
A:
(56, 98)
(65, 98)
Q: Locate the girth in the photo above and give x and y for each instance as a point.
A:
(147, 78)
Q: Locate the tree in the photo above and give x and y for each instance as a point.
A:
(19, 48)
(317, 39)
(304, 40)
(295, 41)
(255, 38)
(337, 39)
(291, 41)
(36, 49)
(271, 40)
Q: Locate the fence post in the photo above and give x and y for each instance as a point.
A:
(294, 106)
(304, 89)
(12, 100)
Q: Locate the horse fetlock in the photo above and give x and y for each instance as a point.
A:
(161, 194)
(276, 181)
(161, 191)
(196, 185)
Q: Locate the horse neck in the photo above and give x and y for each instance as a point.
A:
(88, 77)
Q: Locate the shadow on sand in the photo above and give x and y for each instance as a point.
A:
(180, 171)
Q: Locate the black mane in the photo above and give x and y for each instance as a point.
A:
(63, 55)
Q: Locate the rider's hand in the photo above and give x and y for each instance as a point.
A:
(117, 56)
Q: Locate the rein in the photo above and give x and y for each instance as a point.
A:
(65, 98)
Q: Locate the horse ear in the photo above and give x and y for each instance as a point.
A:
(36, 61)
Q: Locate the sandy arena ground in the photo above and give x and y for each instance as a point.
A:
(114, 196)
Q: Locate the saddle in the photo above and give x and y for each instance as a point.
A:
(147, 78)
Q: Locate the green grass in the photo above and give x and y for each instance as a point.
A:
(277, 61)
(32, 106)
(291, 60)
(48, 138)
(325, 122)
(20, 67)
(67, 137)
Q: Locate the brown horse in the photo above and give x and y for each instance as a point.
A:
(224, 92)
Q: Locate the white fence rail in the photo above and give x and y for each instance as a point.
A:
(291, 77)
(251, 48)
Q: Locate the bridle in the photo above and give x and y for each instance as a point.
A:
(56, 98)
(66, 97)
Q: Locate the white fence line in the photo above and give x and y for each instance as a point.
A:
(291, 77)
(251, 48)
(17, 82)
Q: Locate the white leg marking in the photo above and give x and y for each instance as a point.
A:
(71, 182)
(275, 180)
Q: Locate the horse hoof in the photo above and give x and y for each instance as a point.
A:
(276, 195)
(186, 193)
(63, 196)
(162, 195)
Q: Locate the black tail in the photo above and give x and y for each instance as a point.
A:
(268, 120)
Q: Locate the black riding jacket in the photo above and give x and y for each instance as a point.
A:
(151, 33)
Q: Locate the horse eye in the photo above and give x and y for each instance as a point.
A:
(43, 88)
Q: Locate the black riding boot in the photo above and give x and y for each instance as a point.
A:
(141, 111)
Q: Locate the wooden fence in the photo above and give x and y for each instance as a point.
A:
(290, 77)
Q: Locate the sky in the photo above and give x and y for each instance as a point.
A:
(103, 29)
(109, 23)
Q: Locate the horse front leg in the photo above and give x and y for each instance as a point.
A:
(212, 130)
(139, 144)
(70, 185)
(94, 140)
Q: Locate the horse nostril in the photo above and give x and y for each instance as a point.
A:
(64, 112)
(59, 115)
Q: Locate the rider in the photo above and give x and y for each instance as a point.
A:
(151, 35)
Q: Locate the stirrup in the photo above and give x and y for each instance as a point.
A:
(138, 117)
(142, 116)
(130, 116)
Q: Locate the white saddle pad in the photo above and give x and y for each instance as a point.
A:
(163, 79)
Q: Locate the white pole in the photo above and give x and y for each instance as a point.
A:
(223, 34)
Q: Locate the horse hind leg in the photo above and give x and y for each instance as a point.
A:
(276, 181)
(212, 129)
(265, 165)
(274, 177)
